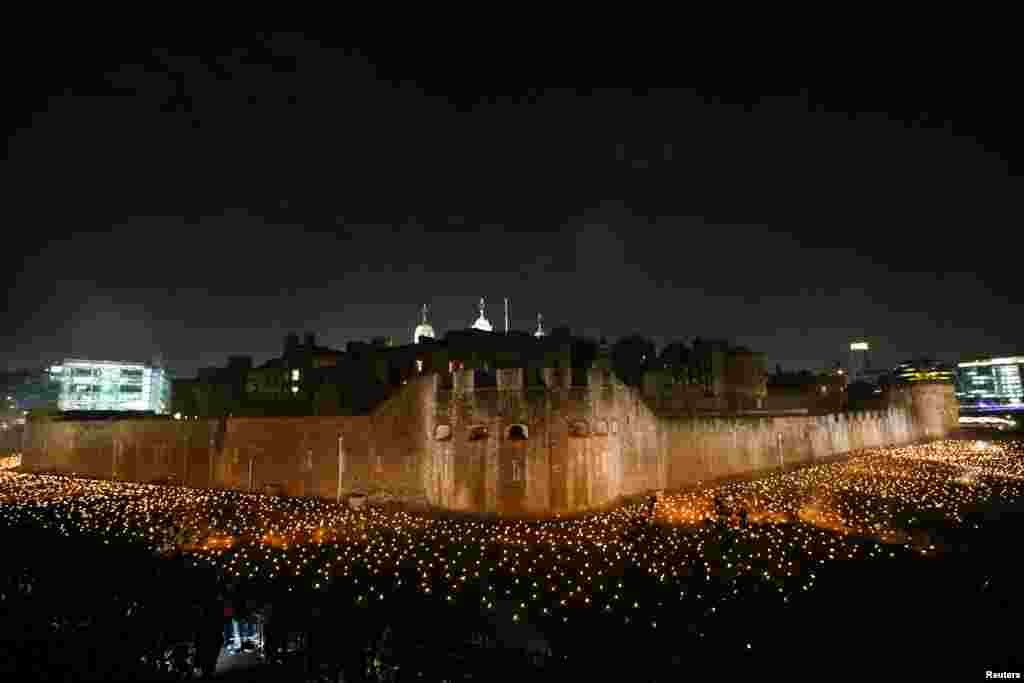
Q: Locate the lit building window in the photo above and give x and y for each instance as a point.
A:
(295, 390)
(419, 366)
(295, 375)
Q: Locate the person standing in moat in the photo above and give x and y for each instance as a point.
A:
(652, 507)
(721, 512)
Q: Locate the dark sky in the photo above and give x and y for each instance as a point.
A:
(204, 201)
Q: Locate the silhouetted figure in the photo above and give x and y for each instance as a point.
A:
(270, 641)
(651, 508)
(743, 518)
(721, 512)
(211, 639)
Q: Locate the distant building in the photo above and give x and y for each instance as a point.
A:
(311, 380)
(860, 359)
(875, 376)
(922, 370)
(815, 391)
(990, 381)
(112, 386)
(710, 375)
(27, 391)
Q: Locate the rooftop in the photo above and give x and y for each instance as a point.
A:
(83, 361)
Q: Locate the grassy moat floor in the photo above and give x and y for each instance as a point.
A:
(895, 561)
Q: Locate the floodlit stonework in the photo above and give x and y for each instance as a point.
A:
(511, 449)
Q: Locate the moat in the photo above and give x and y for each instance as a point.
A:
(892, 560)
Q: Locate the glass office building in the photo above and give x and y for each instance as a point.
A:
(991, 382)
(112, 386)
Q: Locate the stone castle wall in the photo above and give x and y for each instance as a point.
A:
(510, 450)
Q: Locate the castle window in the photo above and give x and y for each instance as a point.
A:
(295, 375)
(478, 433)
(517, 470)
(518, 433)
(601, 427)
(443, 432)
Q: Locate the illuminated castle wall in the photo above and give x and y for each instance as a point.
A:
(509, 449)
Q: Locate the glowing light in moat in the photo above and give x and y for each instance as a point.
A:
(797, 521)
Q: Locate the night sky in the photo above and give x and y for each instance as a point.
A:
(199, 202)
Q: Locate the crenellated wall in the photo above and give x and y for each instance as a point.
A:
(512, 449)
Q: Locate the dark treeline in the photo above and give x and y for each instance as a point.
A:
(99, 610)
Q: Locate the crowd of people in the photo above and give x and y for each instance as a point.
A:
(677, 563)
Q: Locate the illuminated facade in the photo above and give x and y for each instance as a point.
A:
(922, 370)
(994, 381)
(112, 386)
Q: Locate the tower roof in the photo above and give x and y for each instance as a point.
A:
(482, 323)
(424, 329)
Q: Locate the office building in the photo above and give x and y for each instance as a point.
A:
(89, 385)
(860, 361)
(990, 381)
